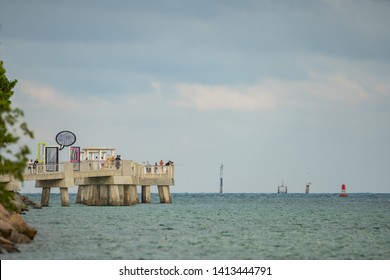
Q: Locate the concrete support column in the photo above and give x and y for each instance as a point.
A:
(145, 193)
(95, 195)
(45, 196)
(84, 194)
(113, 195)
(133, 195)
(103, 195)
(64, 197)
(126, 195)
(165, 194)
(88, 196)
(79, 196)
(121, 194)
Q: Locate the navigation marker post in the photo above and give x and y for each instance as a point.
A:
(221, 179)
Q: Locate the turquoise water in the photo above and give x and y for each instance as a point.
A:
(214, 226)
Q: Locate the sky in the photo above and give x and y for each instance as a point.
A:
(276, 91)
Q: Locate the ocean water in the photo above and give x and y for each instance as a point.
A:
(214, 226)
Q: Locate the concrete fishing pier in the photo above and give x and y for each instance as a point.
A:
(100, 183)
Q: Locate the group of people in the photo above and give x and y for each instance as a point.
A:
(156, 165)
(109, 162)
(161, 163)
(169, 162)
(32, 166)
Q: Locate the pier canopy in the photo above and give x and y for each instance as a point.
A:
(94, 153)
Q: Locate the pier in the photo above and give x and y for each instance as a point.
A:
(99, 182)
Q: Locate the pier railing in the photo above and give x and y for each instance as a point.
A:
(121, 167)
(157, 171)
(44, 168)
(94, 165)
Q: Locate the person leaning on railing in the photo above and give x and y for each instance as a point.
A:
(35, 166)
(117, 161)
(110, 162)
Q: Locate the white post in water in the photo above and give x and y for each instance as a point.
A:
(221, 179)
(307, 190)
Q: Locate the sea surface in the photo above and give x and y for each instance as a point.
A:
(214, 226)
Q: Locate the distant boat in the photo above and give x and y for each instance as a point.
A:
(282, 188)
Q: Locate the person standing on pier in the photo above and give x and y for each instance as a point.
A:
(118, 161)
(30, 166)
(35, 166)
(102, 161)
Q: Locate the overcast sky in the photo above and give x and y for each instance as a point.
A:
(273, 90)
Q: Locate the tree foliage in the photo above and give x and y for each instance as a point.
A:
(13, 155)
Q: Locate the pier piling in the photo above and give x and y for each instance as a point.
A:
(165, 194)
(145, 193)
(45, 196)
(64, 197)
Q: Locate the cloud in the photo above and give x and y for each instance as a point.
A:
(336, 88)
(43, 96)
(206, 97)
